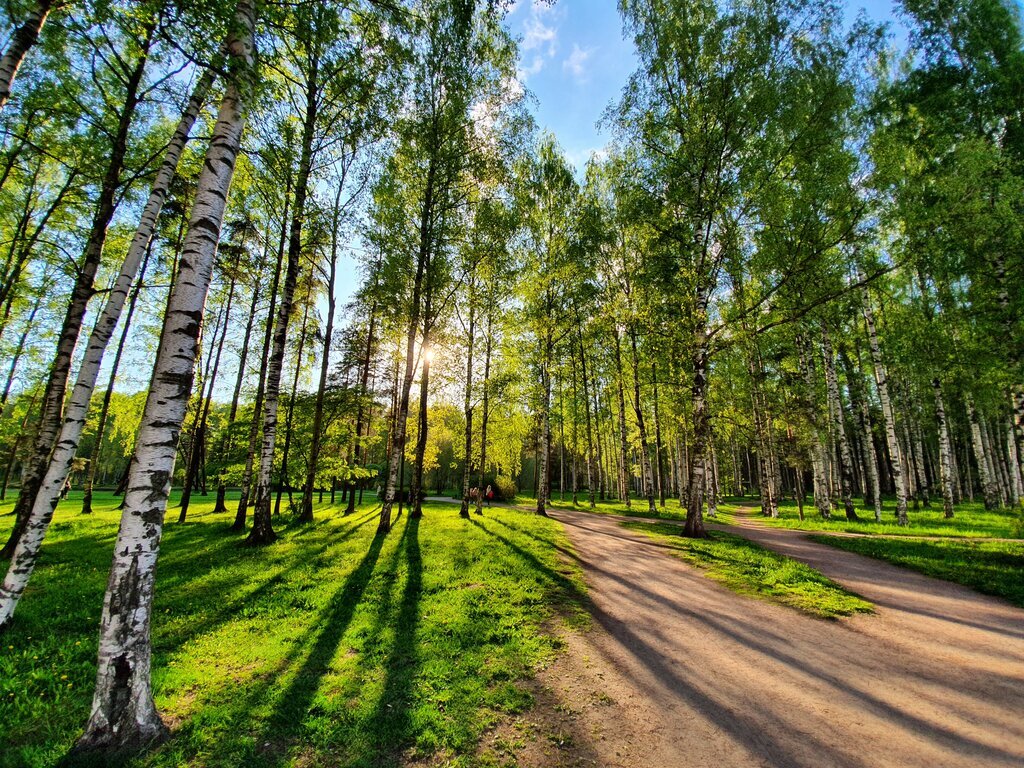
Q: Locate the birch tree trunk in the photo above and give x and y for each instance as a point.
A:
(881, 382)
(123, 714)
(262, 530)
(1016, 486)
(694, 526)
(988, 485)
(60, 369)
(108, 394)
(197, 459)
(818, 458)
(225, 443)
(658, 448)
(587, 421)
(416, 484)
(544, 454)
(360, 450)
(306, 510)
(859, 402)
(284, 473)
(22, 40)
(945, 451)
(488, 341)
(468, 402)
(19, 348)
(402, 414)
(645, 458)
(255, 427)
(38, 521)
(623, 434)
(836, 410)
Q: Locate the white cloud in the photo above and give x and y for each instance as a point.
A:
(538, 34)
(576, 62)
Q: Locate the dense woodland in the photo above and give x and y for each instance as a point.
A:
(796, 272)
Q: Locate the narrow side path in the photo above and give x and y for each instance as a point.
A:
(929, 612)
(680, 671)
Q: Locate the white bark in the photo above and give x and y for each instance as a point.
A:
(836, 412)
(881, 382)
(946, 474)
(1013, 467)
(123, 712)
(27, 551)
(23, 39)
(985, 474)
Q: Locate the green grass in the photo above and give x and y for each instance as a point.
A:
(993, 567)
(331, 647)
(750, 569)
(638, 508)
(971, 520)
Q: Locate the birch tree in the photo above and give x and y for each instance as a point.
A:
(124, 715)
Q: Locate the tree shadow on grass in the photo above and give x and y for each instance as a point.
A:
(390, 727)
(293, 703)
(565, 591)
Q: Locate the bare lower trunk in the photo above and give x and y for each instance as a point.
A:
(123, 714)
(988, 481)
(543, 451)
(359, 451)
(467, 407)
(488, 342)
(839, 428)
(658, 448)
(818, 457)
(586, 417)
(284, 474)
(945, 451)
(19, 348)
(694, 526)
(899, 480)
(623, 435)
(645, 458)
(416, 486)
(197, 454)
(1016, 485)
(255, 427)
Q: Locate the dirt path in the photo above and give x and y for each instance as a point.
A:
(678, 671)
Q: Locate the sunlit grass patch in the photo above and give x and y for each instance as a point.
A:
(750, 569)
(993, 567)
(638, 507)
(971, 520)
(331, 647)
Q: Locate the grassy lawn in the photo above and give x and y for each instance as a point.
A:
(749, 569)
(971, 520)
(672, 510)
(331, 647)
(993, 567)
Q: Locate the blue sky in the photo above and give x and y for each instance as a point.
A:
(575, 62)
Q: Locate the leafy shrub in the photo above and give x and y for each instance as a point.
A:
(504, 488)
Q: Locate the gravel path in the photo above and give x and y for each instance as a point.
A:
(679, 671)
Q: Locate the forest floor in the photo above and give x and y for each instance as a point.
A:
(679, 670)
